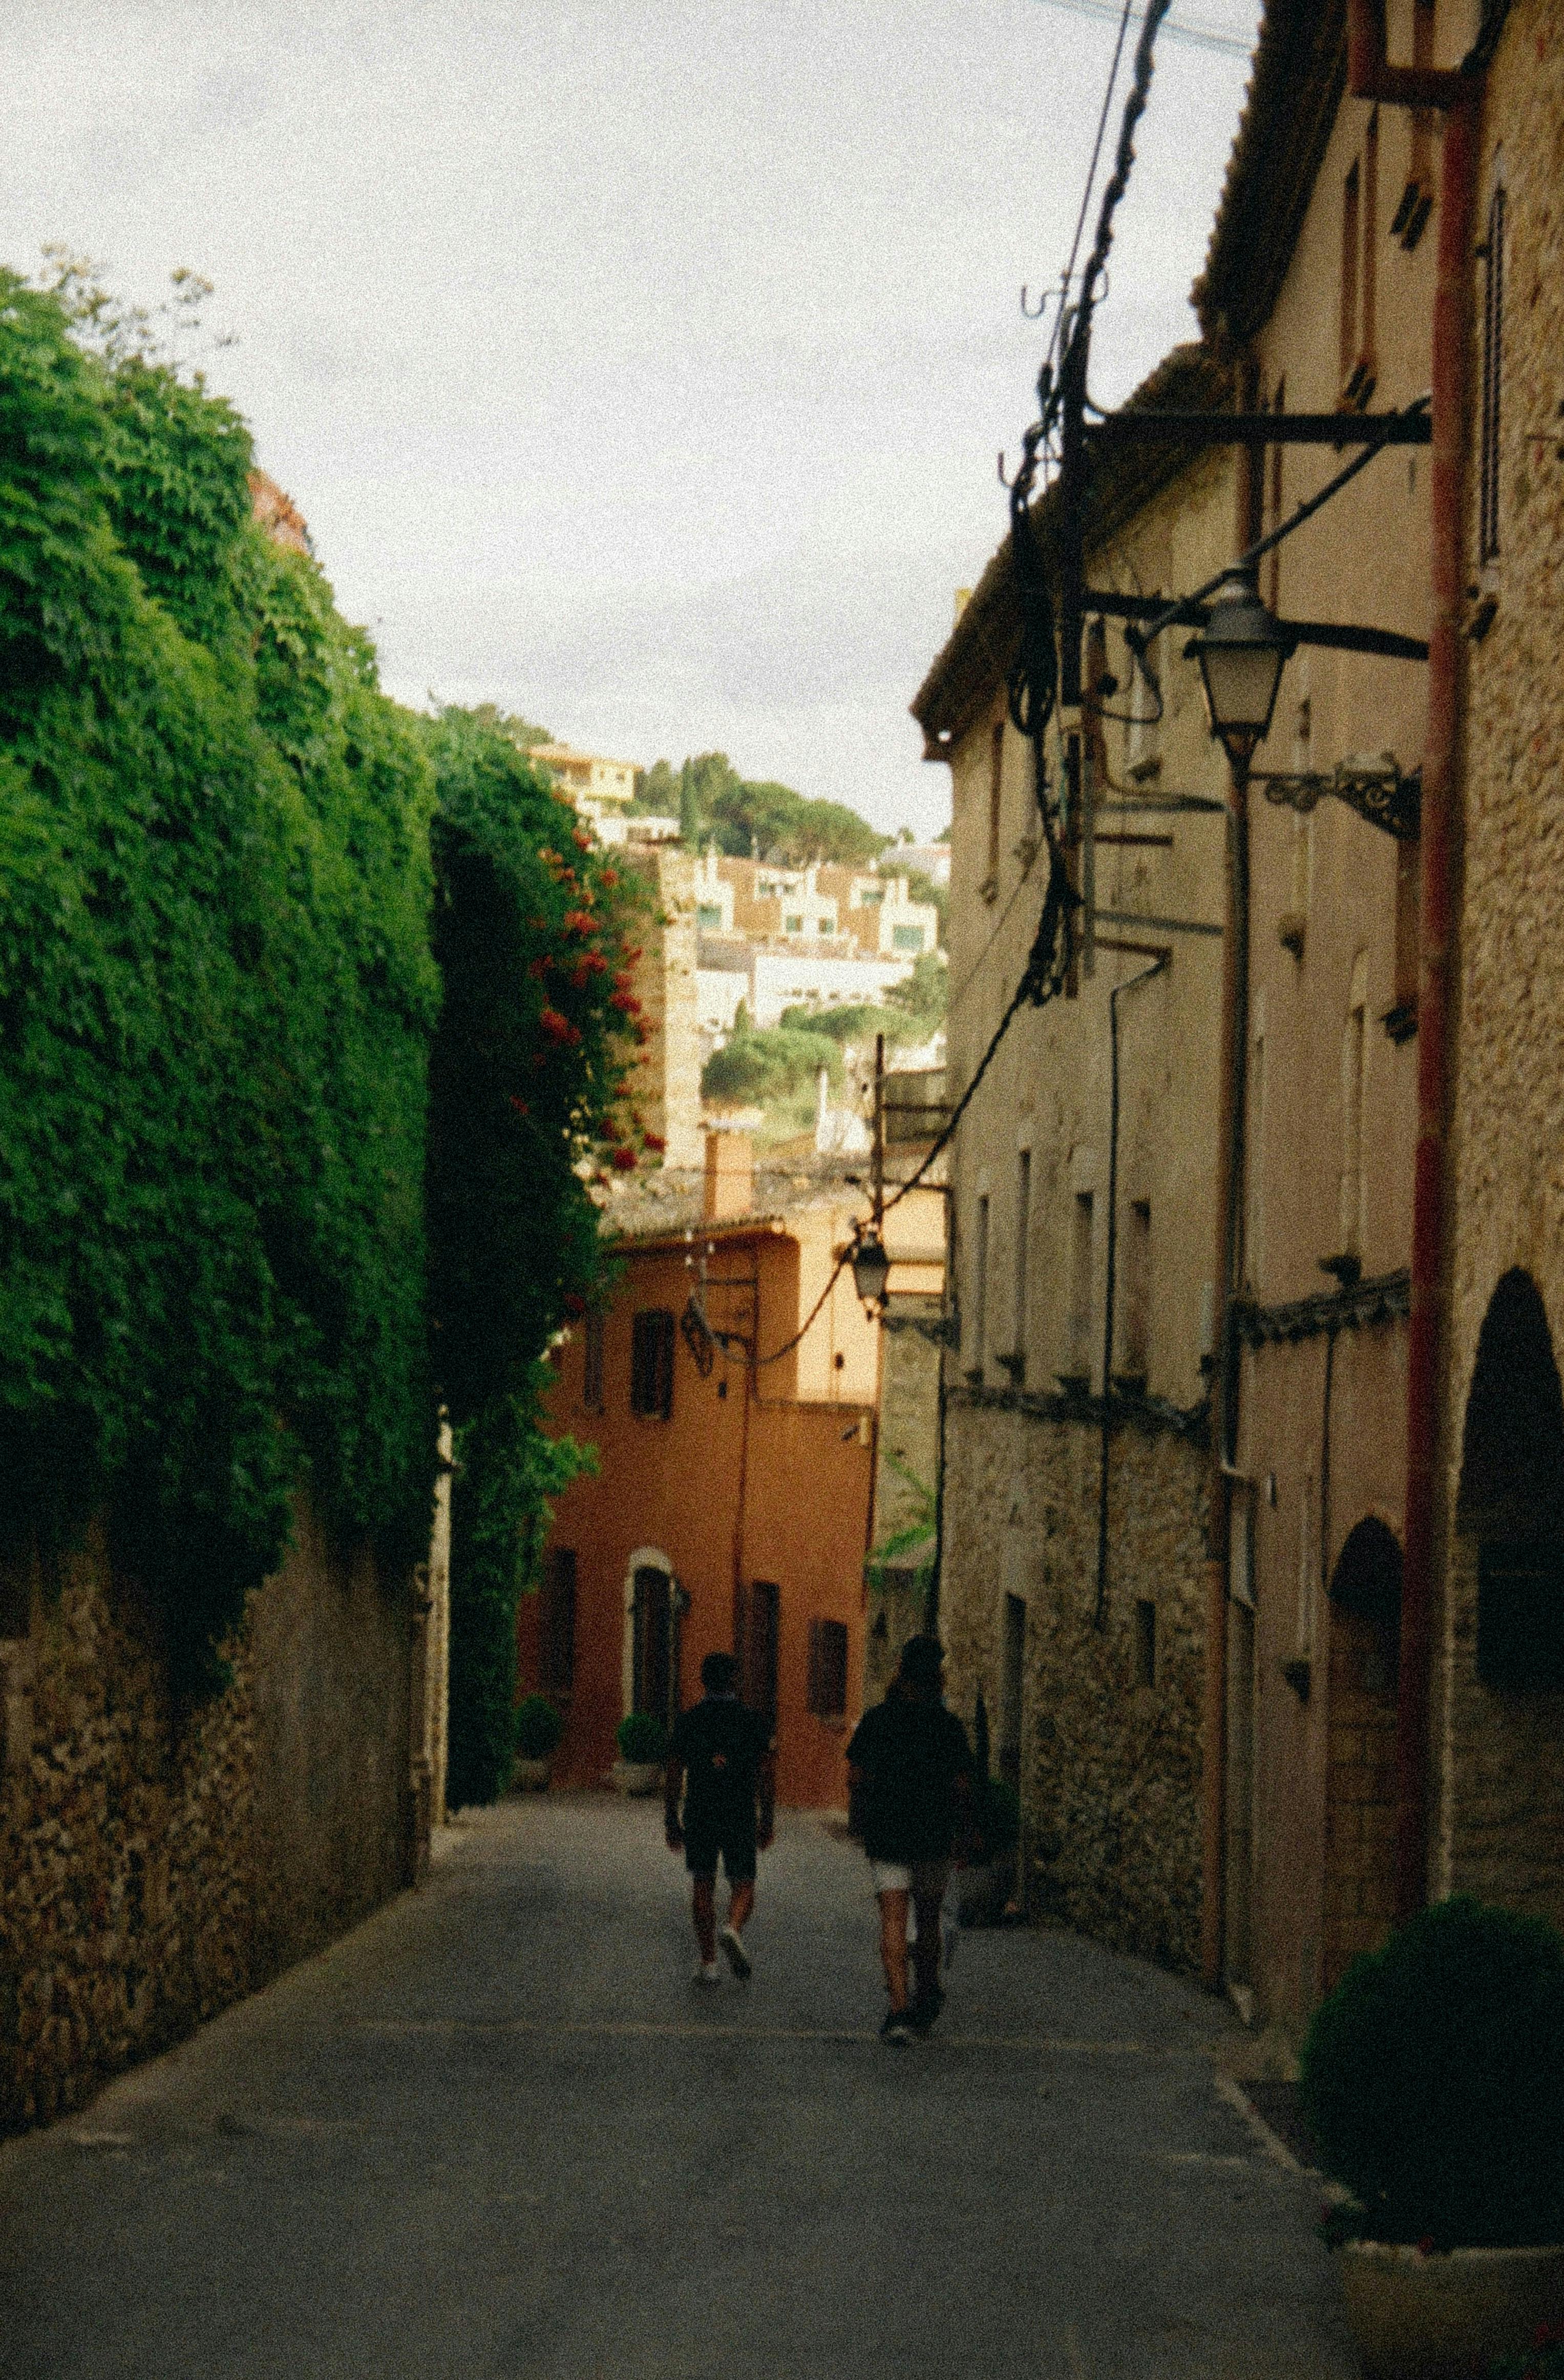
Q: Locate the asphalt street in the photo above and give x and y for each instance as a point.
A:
(499, 2130)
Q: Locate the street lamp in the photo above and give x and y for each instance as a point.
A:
(871, 1268)
(1242, 652)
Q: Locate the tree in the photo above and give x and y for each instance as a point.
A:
(537, 1033)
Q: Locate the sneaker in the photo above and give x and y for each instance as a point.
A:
(709, 1971)
(734, 1952)
(925, 2012)
(897, 2029)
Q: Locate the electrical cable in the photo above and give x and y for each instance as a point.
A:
(1195, 36)
(1069, 273)
(1034, 680)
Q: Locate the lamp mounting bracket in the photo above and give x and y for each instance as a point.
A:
(1334, 635)
(1377, 789)
(1413, 428)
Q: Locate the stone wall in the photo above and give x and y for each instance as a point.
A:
(156, 1866)
(909, 1442)
(665, 1086)
(1499, 1758)
(1109, 1772)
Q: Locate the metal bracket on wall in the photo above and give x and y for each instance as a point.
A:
(1377, 789)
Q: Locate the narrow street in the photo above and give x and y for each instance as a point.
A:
(497, 2130)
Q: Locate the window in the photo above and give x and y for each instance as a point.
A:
(871, 896)
(828, 1667)
(1012, 1687)
(557, 1632)
(1137, 1291)
(1416, 202)
(793, 925)
(995, 785)
(1354, 1051)
(1145, 1643)
(906, 938)
(651, 1364)
(592, 1363)
(1081, 1235)
(1360, 270)
(1142, 757)
(1022, 1238)
(1493, 371)
(709, 913)
(980, 1290)
(1351, 235)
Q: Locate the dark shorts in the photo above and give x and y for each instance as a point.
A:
(707, 1839)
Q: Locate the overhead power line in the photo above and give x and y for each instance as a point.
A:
(1188, 29)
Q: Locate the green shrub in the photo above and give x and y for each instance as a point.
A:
(538, 1728)
(538, 1029)
(216, 998)
(642, 1738)
(769, 1065)
(1433, 2081)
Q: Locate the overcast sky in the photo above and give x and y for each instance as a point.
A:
(640, 364)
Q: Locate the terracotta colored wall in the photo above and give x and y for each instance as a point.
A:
(672, 1490)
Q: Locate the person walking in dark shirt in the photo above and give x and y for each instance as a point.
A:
(910, 1770)
(722, 1757)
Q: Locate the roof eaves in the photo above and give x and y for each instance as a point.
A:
(981, 649)
(1295, 88)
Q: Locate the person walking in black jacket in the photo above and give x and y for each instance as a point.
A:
(724, 1760)
(910, 1771)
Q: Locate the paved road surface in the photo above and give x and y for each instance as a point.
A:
(498, 2131)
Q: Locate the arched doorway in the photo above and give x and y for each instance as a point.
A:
(654, 1609)
(1360, 1853)
(1509, 1506)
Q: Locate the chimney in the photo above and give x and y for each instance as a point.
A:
(730, 1176)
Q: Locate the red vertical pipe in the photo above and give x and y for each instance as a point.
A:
(1457, 186)
(1460, 95)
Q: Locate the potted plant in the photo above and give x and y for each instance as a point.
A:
(643, 1748)
(538, 1728)
(1432, 2082)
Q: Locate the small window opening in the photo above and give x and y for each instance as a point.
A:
(996, 788)
(592, 1364)
(1145, 1642)
(1081, 1238)
(828, 1667)
(651, 1364)
(1493, 367)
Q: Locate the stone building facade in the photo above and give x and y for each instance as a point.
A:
(1499, 1705)
(1090, 1675)
(1320, 278)
(157, 1863)
(665, 1087)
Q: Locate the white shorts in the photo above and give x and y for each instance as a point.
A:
(925, 1879)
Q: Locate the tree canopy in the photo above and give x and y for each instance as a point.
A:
(715, 804)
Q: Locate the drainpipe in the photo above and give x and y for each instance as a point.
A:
(1234, 1046)
(1460, 96)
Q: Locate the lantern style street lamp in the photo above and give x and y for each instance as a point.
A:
(1242, 652)
(871, 1269)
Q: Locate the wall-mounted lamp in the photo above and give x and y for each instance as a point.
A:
(871, 1269)
(1242, 651)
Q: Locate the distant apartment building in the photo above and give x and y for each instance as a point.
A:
(601, 790)
(818, 936)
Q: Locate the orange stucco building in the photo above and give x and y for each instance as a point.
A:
(732, 1505)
